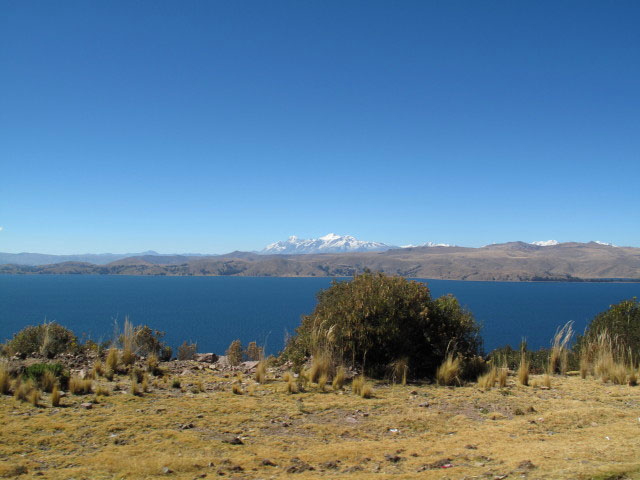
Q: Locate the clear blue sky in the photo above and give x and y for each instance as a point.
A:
(209, 126)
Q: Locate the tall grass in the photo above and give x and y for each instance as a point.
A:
(320, 365)
(113, 360)
(79, 386)
(449, 372)
(338, 378)
(5, 379)
(523, 370)
(400, 370)
(55, 396)
(261, 372)
(128, 343)
(488, 380)
(559, 353)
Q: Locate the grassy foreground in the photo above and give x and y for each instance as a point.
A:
(576, 429)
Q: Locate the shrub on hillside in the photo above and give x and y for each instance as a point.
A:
(621, 323)
(187, 351)
(47, 339)
(40, 373)
(375, 319)
(234, 353)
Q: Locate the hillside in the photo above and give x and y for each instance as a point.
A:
(514, 261)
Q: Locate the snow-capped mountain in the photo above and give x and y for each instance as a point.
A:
(330, 243)
(545, 243)
(427, 244)
(604, 243)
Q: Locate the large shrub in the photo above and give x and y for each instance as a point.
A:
(375, 319)
(621, 324)
(47, 339)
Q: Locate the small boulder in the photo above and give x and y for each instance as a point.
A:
(87, 405)
(233, 440)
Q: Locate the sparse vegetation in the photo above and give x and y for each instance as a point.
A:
(5, 379)
(80, 386)
(559, 360)
(187, 351)
(448, 372)
(113, 360)
(338, 378)
(523, 370)
(488, 380)
(234, 353)
(55, 397)
(261, 372)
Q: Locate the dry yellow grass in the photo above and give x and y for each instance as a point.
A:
(48, 381)
(356, 385)
(98, 369)
(55, 397)
(523, 370)
(79, 386)
(449, 372)
(488, 380)
(502, 377)
(577, 430)
(261, 372)
(5, 379)
(338, 378)
(113, 360)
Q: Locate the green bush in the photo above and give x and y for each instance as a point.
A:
(622, 324)
(47, 339)
(37, 371)
(375, 319)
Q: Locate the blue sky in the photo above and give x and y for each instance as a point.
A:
(194, 126)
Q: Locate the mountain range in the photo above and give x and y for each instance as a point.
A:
(512, 261)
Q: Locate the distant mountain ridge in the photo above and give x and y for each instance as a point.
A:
(512, 261)
(36, 259)
(330, 243)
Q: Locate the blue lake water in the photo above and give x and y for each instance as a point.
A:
(213, 311)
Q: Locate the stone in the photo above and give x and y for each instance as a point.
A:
(233, 440)
(166, 470)
(87, 405)
(268, 463)
(206, 357)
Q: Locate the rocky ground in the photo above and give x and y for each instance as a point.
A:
(201, 429)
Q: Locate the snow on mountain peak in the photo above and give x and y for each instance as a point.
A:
(427, 244)
(330, 243)
(605, 243)
(545, 243)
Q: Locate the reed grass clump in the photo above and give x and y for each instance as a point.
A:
(400, 370)
(5, 379)
(338, 378)
(322, 382)
(558, 359)
(523, 370)
(128, 344)
(502, 376)
(113, 360)
(102, 391)
(237, 389)
(366, 391)
(153, 365)
(34, 397)
(79, 386)
(175, 383)
(55, 396)
(448, 372)
(261, 372)
(320, 366)
(22, 389)
(134, 389)
(488, 380)
(98, 369)
(356, 385)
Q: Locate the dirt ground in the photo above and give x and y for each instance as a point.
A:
(576, 429)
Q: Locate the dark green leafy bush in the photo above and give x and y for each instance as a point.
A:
(375, 319)
(47, 339)
(622, 324)
(37, 371)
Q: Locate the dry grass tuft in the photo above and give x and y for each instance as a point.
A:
(338, 379)
(449, 372)
(321, 365)
(356, 385)
(21, 389)
(55, 396)
(559, 353)
(200, 386)
(153, 365)
(585, 364)
(128, 343)
(633, 378)
(5, 379)
(619, 373)
(546, 380)
(98, 369)
(78, 386)
(523, 370)
(145, 383)
(34, 397)
(261, 372)
(502, 376)
(400, 370)
(113, 360)
(292, 385)
(135, 389)
(488, 380)
(175, 383)
(322, 382)
(366, 391)
(237, 389)
(102, 391)
(48, 381)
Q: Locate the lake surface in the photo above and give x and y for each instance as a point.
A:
(213, 311)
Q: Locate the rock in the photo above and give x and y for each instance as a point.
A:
(526, 465)
(424, 405)
(186, 426)
(267, 463)
(166, 470)
(249, 366)
(392, 458)
(331, 465)
(233, 440)
(206, 357)
(471, 447)
(87, 405)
